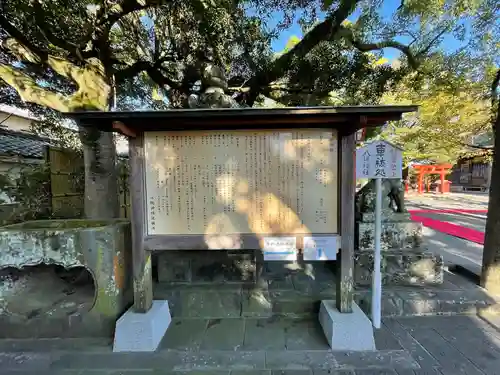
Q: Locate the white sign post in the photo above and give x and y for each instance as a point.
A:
(378, 160)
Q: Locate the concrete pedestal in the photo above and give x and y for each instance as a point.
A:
(351, 331)
(136, 332)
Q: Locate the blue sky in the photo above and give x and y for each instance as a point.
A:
(388, 8)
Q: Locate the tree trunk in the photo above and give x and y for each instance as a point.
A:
(490, 275)
(101, 177)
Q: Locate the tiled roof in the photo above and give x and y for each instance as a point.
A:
(14, 143)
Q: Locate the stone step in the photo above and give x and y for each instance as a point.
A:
(431, 302)
(186, 361)
(400, 267)
(233, 301)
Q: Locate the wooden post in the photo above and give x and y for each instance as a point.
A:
(143, 279)
(347, 189)
(420, 182)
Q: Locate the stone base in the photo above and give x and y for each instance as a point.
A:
(400, 267)
(136, 332)
(346, 331)
(202, 267)
(395, 235)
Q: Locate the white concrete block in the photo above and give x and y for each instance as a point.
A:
(351, 331)
(136, 332)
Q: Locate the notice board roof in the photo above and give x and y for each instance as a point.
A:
(347, 118)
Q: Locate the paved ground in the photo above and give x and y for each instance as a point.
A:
(453, 345)
(416, 345)
(455, 251)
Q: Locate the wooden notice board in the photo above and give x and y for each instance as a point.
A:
(228, 182)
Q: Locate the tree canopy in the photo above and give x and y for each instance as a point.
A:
(454, 115)
(61, 55)
(153, 51)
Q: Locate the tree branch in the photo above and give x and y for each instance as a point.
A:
(50, 36)
(429, 46)
(347, 34)
(139, 66)
(29, 91)
(477, 147)
(109, 18)
(132, 70)
(161, 80)
(323, 31)
(18, 37)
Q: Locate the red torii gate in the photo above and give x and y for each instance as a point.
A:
(441, 169)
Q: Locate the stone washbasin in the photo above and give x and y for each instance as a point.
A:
(102, 248)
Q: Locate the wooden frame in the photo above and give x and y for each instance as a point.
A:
(198, 242)
(345, 264)
(347, 120)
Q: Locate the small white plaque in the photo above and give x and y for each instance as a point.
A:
(320, 248)
(379, 159)
(280, 248)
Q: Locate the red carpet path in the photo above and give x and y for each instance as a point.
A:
(449, 228)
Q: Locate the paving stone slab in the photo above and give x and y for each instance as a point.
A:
(194, 372)
(51, 345)
(301, 360)
(382, 359)
(256, 304)
(478, 347)
(184, 334)
(328, 360)
(412, 346)
(449, 358)
(112, 361)
(207, 304)
(305, 334)
(419, 372)
(164, 360)
(385, 340)
(224, 334)
(221, 360)
(265, 334)
(26, 361)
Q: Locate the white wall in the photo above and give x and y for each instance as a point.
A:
(15, 122)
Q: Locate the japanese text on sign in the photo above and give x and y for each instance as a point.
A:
(233, 182)
(379, 159)
(280, 248)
